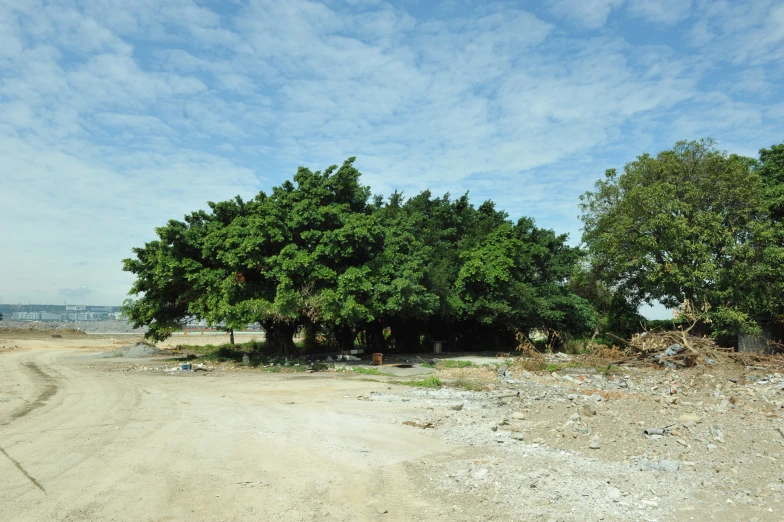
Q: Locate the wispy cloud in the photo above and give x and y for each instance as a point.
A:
(117, 117)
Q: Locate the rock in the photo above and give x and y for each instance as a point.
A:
(712, 447)
(502, 372)
(613, 494)
(688, 417)
(589, 411)
(572, 396)
(330, 359)
(482, 473)
(518, 415)
(516, 435)
(659, 465)
(594, 445)
(456, 407)
(718, 433)
(781, 430)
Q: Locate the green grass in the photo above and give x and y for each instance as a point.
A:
(427, 364)
(456, 364)
(427, 382)
(370, 371)
(467, 385)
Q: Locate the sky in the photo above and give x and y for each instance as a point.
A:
(116, 116)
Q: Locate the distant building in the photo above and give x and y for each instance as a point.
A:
(75, 308)
(27, 316)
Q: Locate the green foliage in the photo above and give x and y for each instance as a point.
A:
(456, 363)
(428, 382)
(468, 385)
(370, 371)
(688, 224)
(318, 253)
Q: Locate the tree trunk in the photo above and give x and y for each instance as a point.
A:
(375, 337)
(406, 334)
(311, 331)
(280, 337)
(345, 336)
(231, 335)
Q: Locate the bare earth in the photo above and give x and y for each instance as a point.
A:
(109, 439)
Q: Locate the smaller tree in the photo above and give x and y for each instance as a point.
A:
(688, 224)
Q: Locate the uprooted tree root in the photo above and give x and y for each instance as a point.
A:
(652, 347)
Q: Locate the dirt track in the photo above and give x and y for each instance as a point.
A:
(85, 438)
(79, 443)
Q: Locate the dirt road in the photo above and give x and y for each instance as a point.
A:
(78, 443)
(87, 438)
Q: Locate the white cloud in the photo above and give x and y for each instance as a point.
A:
(664, 11)
(591, 14)
(117, 117)
(742, 32)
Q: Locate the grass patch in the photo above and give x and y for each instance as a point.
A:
(428, 364)
(427, 382)
(456, 364)
(468, 385)
(368, 371)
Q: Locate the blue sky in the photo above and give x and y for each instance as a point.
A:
(118, 115)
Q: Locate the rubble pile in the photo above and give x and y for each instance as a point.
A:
(675, 348)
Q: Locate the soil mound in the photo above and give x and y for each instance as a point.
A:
(133, 350)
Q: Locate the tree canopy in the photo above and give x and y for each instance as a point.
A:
(319, 253)
(692, 223)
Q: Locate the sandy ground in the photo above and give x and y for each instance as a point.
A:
(86, 438)
(80, 443)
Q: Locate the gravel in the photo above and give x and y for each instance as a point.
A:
(107, 327)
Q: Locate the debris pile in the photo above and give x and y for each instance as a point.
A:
(675, 348)
(678, 349)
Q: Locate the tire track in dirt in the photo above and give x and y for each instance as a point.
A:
(50, 388)
(23, 471)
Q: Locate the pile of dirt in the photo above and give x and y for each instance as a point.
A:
(133, 350)
(38, 329)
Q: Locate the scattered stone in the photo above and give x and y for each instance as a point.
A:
(516, 435)
(613, 494)
(518, 415)
(480, 474)
(659, 465)
(688, 417)
(456, 407)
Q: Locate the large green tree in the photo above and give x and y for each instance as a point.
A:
(318, 253)
(690, 223)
